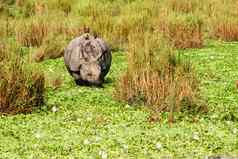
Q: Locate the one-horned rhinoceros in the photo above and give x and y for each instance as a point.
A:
(88, 60)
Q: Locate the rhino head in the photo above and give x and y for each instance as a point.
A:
(89, 74)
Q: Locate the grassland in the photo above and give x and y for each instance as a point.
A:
(94, 123)
(82, 122)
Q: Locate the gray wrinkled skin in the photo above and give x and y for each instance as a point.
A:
(88, 60)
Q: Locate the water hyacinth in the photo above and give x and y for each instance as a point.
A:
(54, 109)
(103, 154)
(158, 146)
(195, 136)
(86, 142)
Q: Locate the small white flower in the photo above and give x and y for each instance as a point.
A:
(235, 131)
(89, 119)
(214, 116)
(228, 122)
(78, 120)
(54, 109)
(196, 136)
(212, 57)
(206, 157)
(38, 135)
(125, 147)
(97, 138)
(51, 70)
(158, 146)
(86, 142)
(127, 106)
(103, 154)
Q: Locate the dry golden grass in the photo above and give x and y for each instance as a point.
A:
(52, 48)
(183, 31)
(156, 77)
(226, 30)
(32, 33)
(222, 21)
(184, 6)
(21, 88)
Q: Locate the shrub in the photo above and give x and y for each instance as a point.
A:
(156, 77)
(21, 87)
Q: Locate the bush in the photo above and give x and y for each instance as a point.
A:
(156, 76)
(21, 87)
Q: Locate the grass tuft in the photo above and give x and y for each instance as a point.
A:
(226, 30)
(156, 77)
(21, 87)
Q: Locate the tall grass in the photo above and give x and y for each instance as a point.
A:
(183, 6)
(52, 47)
(184, 31)
(223, 21)
(156, 76)
(33, 32)
(21, 86)
(226, 30)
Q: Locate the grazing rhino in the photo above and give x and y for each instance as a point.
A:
(88, 60)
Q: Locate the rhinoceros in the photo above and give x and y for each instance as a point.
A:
(88, 59)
